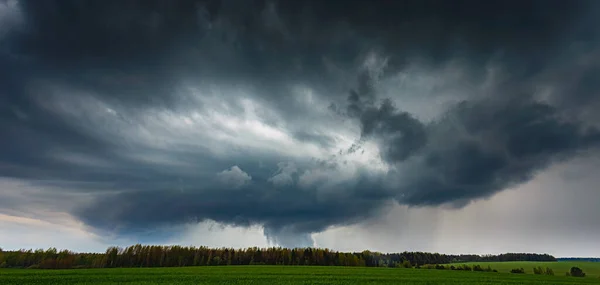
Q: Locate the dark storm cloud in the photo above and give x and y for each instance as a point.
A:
(487, 147)
(399, 133)
(289, 210)
(67, 66)
(476, 148)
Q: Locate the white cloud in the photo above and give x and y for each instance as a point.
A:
(213, 234)
(234, 177)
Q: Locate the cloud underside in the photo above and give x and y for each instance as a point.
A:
(296, 116)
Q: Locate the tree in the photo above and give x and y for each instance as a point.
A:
(406, 264)
(216, 260)
(576, 272)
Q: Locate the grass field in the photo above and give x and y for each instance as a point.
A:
(591, 269)
(275, 275)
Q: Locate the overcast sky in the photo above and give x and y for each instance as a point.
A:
(450, 126)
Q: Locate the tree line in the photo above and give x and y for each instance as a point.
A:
(174, 256)
(589, 259)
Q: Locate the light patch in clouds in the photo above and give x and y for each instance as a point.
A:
(428, 91)
(43, 201)
(222, 126)
(211, 234)
(234, 177)
(10, 16)
(80, 159)
(283, 176)
(375, 64)
(29, 233)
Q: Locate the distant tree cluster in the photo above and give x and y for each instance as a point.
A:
(508, 257)
(170, 256)
(541, 271)
(461, 267)
(486, 269)
(50, 258)
(589, 259)
(576, 272)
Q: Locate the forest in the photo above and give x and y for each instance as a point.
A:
(178, 256)
(588, 259)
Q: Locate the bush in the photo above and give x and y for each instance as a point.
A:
(406, 264)
(441, 267)
(538, 270)
(549, 271)
(34, 266)
(3, 265)
(478, 267)
(517, 270)
(576, 272)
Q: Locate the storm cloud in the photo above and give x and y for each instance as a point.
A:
(293, 115)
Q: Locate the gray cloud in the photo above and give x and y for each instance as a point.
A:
(285, 174)
(475, 149)
(157, 110)
(486, 147)
(400, 134)
(233, 177)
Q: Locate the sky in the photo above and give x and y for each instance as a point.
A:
(445, 126)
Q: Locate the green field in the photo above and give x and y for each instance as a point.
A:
(591, 269)
(275, 275)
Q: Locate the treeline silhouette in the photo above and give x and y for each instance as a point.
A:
(173, 256)
(589, 259)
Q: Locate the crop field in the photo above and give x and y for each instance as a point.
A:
(275, 275)
(591, 269)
